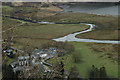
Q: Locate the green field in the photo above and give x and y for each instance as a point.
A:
(37, 34)
(7, 10)
(49, 31)
(88, 58)
(105, 22)
(100, 35)
(105, 25)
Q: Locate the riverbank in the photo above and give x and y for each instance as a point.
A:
(100, 35)
(72, 37)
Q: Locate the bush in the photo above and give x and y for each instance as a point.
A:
(76, 57)
(60, 45)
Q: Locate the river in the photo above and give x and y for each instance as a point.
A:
(71, 37)
(93, 8)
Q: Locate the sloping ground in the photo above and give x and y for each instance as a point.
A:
(88, 57)
(17, 3)
(30, 12)
(34, 15)
(111, 51)
(52, 8)
(102, 21)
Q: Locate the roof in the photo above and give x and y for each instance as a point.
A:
(24, 57)
(43, 55)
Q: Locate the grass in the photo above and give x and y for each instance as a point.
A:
(105, 25)
(38, 34)
(28, 12)
(49, 31)
(22, 42)
(7, 10)
(8, 60)
(100, 35)
(106, 22)
(88, 58)
(7, 23)
(108, 50)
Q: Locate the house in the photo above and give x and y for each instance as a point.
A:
(38, 57)
(10, 52)
(21, 64)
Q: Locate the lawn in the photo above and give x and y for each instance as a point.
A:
(88, 58)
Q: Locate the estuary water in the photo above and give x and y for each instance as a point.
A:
(92, 8)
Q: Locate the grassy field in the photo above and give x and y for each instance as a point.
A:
(88, 58)
(106, 22)
(49, 31)
(37, 34)
(100, 35)
(7, 23)
(7, 10)
(105, 25)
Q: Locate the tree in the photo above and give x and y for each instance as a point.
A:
(99, 74)
(103, 73)
(73, 73)
(76, 57)
(62, 68)
(8, 72)
(92, 72)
